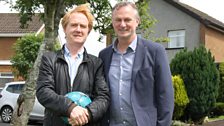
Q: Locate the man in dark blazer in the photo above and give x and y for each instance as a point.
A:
(138, 74)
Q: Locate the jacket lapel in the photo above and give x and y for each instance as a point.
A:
(139, 57)
(107, 61)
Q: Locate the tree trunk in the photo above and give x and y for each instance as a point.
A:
(26, 99)
(25, 102)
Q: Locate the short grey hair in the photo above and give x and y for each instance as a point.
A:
(126, 3)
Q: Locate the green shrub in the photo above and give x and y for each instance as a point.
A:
(221, 84)
(26, 49)
(180, 96)
(201, 79)
(218, 110)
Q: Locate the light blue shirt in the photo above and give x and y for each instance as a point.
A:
(73, 64)
(120, 73)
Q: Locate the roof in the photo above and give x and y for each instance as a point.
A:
(200, 16)
(10, 24)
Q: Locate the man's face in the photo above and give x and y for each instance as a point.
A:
(77, 29)
(125, 22)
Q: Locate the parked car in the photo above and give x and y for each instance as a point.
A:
(1, 91)
(8, 101)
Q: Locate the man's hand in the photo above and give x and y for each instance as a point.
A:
(79, 116)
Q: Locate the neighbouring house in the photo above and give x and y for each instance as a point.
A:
(10, 31)
(187, 27)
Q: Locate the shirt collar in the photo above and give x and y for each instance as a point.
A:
(132, 46)
(67, 52)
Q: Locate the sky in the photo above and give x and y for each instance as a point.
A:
(214, 8)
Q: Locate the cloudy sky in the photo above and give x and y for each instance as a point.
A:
(213, 8)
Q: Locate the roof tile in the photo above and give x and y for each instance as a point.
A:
(9, 24)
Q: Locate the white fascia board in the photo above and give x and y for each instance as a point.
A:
(40, 30)
(12, 34)
(5, 62)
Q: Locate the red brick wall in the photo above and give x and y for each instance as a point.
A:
(5, 68)
(214, 40)
(6, 50)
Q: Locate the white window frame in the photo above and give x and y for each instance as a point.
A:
(7, 75)
(177, 39)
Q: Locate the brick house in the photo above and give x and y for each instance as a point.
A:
(187, 27)
(10, 31)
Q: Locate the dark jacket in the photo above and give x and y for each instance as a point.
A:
(152, 95)
(54, 82)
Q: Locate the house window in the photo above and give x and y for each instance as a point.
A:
(6, 77)
(177, 39)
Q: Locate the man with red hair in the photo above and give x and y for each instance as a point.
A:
(73, 69)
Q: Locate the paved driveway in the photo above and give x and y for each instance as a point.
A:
(30, 124)
(214, 123)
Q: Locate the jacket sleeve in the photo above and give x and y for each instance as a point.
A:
(164, 88)
(45, 92)
(101, 100)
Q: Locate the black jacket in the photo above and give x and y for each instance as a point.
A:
(54, 82)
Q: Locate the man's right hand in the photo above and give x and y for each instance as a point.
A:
(79, 116)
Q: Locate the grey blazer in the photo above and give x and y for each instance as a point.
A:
(152, 92)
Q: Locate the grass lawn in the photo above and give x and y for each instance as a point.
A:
(217, 118)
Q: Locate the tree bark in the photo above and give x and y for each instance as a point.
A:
(25, 102)
(26, 99)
